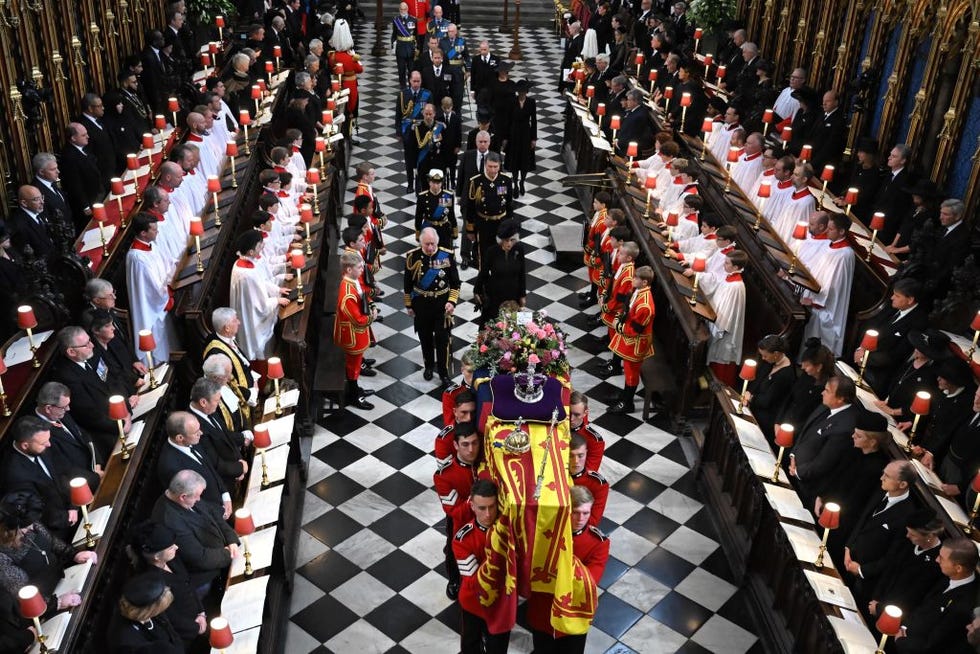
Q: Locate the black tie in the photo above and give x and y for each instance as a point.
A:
(40, 465)
(976, 420)
(480, 162)
(197, 455)
(881, 506)
(215, 422)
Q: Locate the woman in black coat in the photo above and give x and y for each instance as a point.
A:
(523, 137)
(817, 364)
(776, 375)
(153, 552)
(140, 625)
(503, 277)
(298, 118)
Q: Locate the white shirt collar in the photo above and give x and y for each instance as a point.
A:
(960, 582)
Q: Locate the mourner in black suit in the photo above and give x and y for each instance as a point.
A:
(140, 623)
(452, 139)
(471, 165)
(881, 525)
(443, 80)
(221, 446)
(952, 408)
(829, 134)
(938, 623)
(893, 198)
(182, 451)
(81, 178)
(87, 378)
(483, 69)
(29, 227)
(99, 141)
(27, 466)
(912, 568)
(822, 442)
(918, 373)
(906, 315)
(950, 248)
(71, 449)
(963, 454)
(57, 203)
(206, 543)
(635, 124)
(113, 349)
(572, 50)
(155, 77)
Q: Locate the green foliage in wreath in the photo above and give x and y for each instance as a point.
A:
(710, 15)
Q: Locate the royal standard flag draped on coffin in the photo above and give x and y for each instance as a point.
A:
(531, 546)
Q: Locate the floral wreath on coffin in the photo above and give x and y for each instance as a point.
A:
(516, 340)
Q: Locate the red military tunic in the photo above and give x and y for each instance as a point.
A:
(594, 444)
(590, 245)
(453, 482)
(351, 327)
(633, 341)
(591, 547)
(419, 9)
(603, 247)
(599, 488)
(348, 79)
(470, 550)
(619, 294)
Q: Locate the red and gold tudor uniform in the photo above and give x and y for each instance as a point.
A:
(591, 547)
(352, 325)
(616, 299)
(633, 340)
(591, 245)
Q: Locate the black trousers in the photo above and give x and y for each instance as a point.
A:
(404, 69)
(545, 644)
(486, 236)
(430, 323)
(452, 569)
(473, 635)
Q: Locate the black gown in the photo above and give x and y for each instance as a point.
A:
(523, 130)
(503, 278)
(804, 397)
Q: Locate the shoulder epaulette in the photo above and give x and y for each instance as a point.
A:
(446, 250)
(598, 477)
(592, 432)
(442, 465)
(462, 531)
(598, 533)
(445, 431)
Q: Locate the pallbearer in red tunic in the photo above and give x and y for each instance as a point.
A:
(343, 54)
(578, 417)
(470, 550)
(591, 479)
(591, 547)
(464, 408)
(352, 325)
(633, 340)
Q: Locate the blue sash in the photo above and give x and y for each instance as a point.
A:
(430, 276)
(416, 114)
(452, 51)
(436, 131)
(400, 25)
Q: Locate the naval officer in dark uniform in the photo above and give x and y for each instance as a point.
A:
(435, 208)
(490, 200)
(403, 42)
(431, 295)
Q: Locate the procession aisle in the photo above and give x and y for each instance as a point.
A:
(371, 562)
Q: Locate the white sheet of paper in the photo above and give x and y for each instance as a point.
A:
(260, 545)
(54, 632)
(159, 372)
(854, 635)
(600, 143)
(92, 240)
(99, 519)
(280, 429)
(763, 463)
(806, 544)
(965, 344)
(275, 463)
(953, 510)
(848, 370)
(20, 350)
(264, 506)
(149, 400)
(246, 642)
(831, 590)
(746, 411)
(244, 603)
(898, 436)
(74, 579)
(749, 435)
(132, 438)
(787, 503)
(927, 475)
(287, 399)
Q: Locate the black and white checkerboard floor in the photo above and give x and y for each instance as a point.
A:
(371, 563)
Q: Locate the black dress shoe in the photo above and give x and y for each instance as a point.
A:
(361, 403)
(379, 318)
(452, 590)
(427, 373)
(594, 321)
(586, 303)
(585, 296)
(369, 362)
(611, 369)
(379, 293)
(622, 407)
(444, 379)
(366, 392)
(464, 264)
(368, 372)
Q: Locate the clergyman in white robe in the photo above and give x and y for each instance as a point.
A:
(833, 269)
(256, 299)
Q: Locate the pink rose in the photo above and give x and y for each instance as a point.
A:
(483, 348)
(515, 336)
(507, 356)
(501, 325)
(534, 359)
(555, 354)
